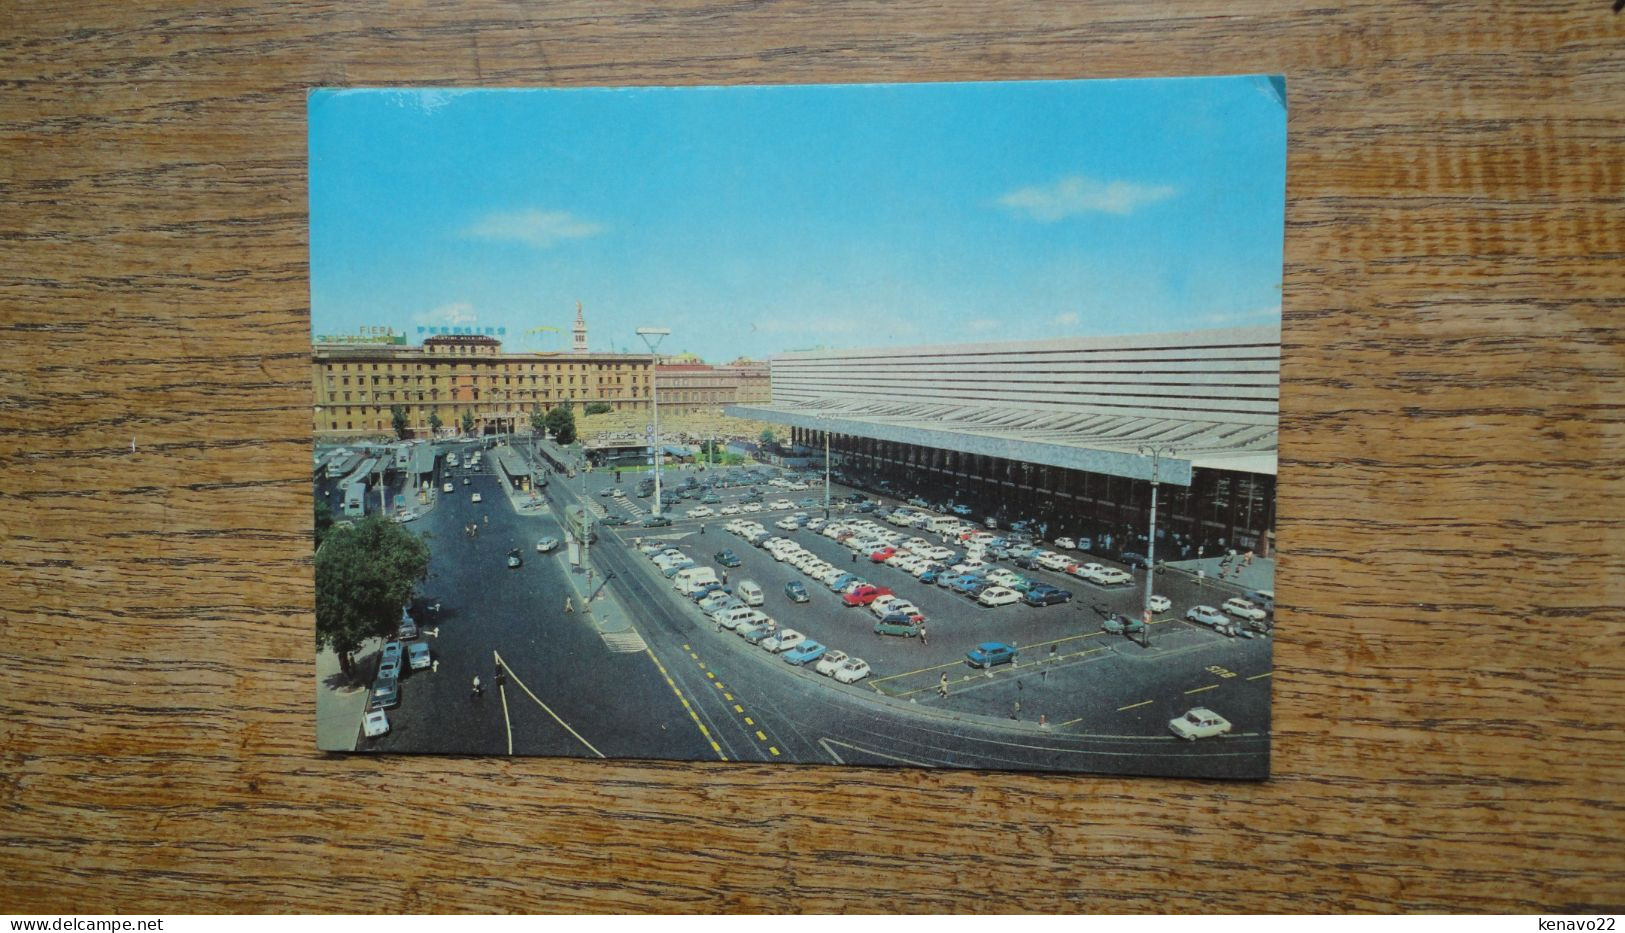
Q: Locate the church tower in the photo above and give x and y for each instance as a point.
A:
(580, 345)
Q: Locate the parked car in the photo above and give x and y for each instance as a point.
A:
(805, 653)
(1067, 543)
(446, 488)
(375, 723)
(796, 592)
(1242, 609)
(783, 641)
(612, 520)
(1207, 615)
(864, 595)
(728, 558)
(1160, 604)
(474, 498)
(989, 653)
(514, 559)
(1199, 723)
(1134, 559)
(1116, 624)
(1111, 576)
(657, 521)
(547, 545)
(386, 692)
(852, 671)
(995, 596)
(1045, 595)
(831, 660)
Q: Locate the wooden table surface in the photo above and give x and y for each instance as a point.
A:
(1449, 666)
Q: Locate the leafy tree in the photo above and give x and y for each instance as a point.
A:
(538, 419)
(468, 422)
(397, 415)
(562, 422)
(597, 408)
(324, 521)
(364, 575)
(435, 424)
(767, 438)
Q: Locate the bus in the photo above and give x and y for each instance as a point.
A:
(355, 500)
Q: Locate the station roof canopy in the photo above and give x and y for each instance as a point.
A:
(422, 459)
(1203, 398)
(511, 462)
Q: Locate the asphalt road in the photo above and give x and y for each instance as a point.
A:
(696, 693)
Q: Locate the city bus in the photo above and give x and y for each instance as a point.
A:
(355, 500)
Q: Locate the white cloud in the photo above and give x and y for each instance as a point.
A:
(1076, 194)
(1066, 318)
(456, 313)
(538, 228)
(1242, 317)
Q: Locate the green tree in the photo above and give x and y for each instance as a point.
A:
(364, 575)
(324, 521)
(468, 421)
(538, 419)
(435, 424)
(767, 437)
(561, 421)
(397, 415)
(597, 408)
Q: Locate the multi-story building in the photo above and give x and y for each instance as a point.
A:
(685, 384)
(1067, 432)
(451, 376)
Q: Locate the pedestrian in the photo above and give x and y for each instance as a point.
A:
(1015, 710)
(488, 519)
(477, 688)
(435, 665)
(854, 557)
(569, 604)
(942, 687)
(1247, 559)
(702, 528)
(724, 578)
(1052, 651)
(922, 636)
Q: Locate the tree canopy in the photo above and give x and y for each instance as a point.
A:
(434, 421)
(397, 416)
(468, 422)
(562, 422)
(365, 573)
(767, 437)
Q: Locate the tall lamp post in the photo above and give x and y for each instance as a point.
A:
(1156, 452)
(651, 338)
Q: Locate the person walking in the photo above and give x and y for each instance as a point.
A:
(942, 687)
(1015, 710)
(569, 604)
(477, 689)
(922, 635)
(724, 578)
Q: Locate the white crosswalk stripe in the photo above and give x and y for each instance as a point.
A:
(624, 642)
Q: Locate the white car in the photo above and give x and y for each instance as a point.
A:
(703, 511)
(788, 524)
(1004, 577)
(1067, 543)
(1111, 576)
(852, 670)
(751, 507)
(998, 596)
(730, 510)
(375, 723)
(783, 641)
(1160, 604)
(1087, 571)
(475, 498)
(830, 662)
(883, 604)
(815, 524)
(1244, 609)
(780, 504)
(446, 488)
(1199, 723)
(1049, 560)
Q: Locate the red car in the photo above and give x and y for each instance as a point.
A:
(864, 595)
(881, 555)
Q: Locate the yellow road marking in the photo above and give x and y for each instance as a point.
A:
(774, 751)
(506, 722)
(749, 721)
(709, 674)
(520, 684)
(1071, 721)
(761, 735)
(1265, 674)
(738, 708)
(728, 696)
(1133, 705)
(684, 700)
(1200, 689)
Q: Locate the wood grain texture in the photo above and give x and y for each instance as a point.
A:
(1449, 666)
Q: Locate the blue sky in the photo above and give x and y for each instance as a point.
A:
(760, 219)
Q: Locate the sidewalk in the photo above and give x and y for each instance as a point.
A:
(339, 709)
(1259, 575)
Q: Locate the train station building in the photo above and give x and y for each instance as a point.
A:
(1066, 433)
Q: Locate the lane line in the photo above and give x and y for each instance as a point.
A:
(1200, 689)
(503, 691)
(520, 684)
(684, 700)
(1130, 706)
(1257, 676)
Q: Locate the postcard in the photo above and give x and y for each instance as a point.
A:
(923, 425)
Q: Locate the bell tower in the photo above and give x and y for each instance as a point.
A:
(580, 332)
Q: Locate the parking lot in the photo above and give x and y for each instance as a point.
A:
(1066, 667)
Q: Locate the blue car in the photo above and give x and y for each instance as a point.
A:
(804, 653)
(841, 581)
(930, 576)
(965, 582)
(796, 592)
(989, 653)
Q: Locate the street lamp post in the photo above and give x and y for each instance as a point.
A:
(1156, 452)
(826, 471)
(651, 338)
